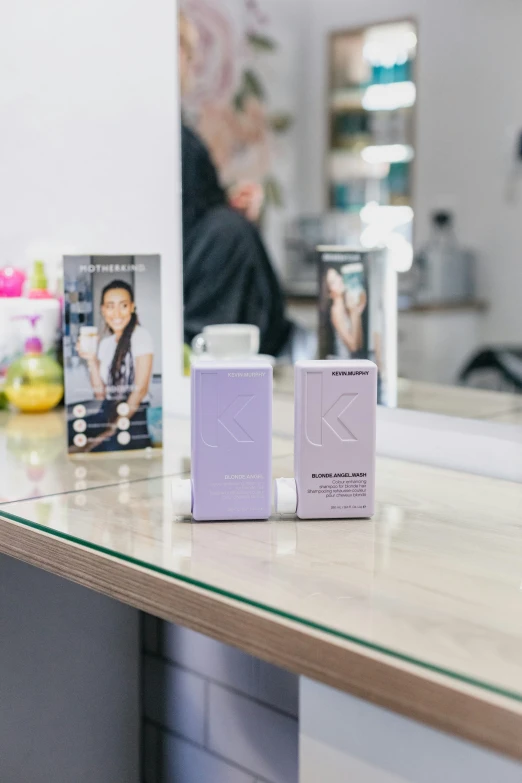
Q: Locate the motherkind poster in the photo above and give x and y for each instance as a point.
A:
(112, 352)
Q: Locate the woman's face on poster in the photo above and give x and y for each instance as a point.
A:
(117, 309)
(335, 284)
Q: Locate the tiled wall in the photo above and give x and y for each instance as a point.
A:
(213, 714)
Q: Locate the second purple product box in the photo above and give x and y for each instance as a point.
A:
(334, 449)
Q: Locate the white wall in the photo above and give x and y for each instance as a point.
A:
(469, 68)
(89, 139)
(345, 739)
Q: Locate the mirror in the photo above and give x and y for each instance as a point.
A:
(343, 123)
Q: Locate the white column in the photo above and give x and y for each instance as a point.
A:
(343, 739)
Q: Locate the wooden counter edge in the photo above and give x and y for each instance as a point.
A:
(491, 721)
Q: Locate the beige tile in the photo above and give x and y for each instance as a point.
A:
(185, 763)
(174, 699)
(231, 667)
(252, 736)
(211, 659)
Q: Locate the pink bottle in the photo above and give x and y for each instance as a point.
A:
(231, 443)
(11, 282)
(334, 462)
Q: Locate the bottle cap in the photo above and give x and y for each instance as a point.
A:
(33, 345)
(285, 496)
(182, 497)
(38, 280)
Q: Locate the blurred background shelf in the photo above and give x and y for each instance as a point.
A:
(374, 97)
(371, 117)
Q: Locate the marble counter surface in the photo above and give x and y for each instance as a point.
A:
(435, 576)
(419, 609)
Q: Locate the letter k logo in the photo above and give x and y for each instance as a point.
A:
(228, 418)
(334, 417)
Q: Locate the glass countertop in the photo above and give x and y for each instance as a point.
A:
(434, 579)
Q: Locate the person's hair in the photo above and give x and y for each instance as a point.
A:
(117, 369)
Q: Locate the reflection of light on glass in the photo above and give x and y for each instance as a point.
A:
(388, 44)
(379, 54)
(371, 237)
(80, 485)
(388, 153)
(123, 471)
(388, 97)
(124, 493)
(180, 553)
(285, 538)
(389, 526)
(80, 473)
(182, 548)
(410, 40)
(384, 225)
(389, 215)
(80, 500)
(400, 252)
(34, 458)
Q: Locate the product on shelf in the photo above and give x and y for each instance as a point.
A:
(34, 382)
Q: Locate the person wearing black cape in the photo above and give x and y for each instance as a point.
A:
(227, 274)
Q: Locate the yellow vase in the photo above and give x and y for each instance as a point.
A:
(34, 383)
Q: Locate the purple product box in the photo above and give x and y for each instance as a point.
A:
(335, 423)
(231, 441)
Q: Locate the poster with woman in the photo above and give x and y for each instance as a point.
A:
(343, 304)
(112, 352)
(358, 311)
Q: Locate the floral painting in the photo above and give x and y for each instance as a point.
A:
(230, 101)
